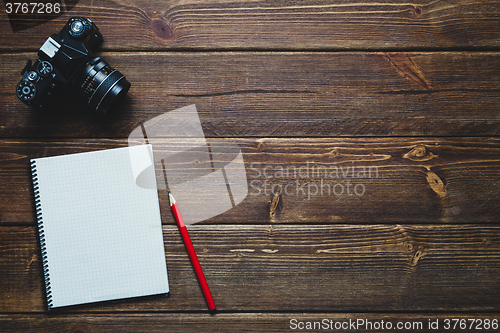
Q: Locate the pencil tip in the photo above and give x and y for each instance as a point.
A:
(171, 198)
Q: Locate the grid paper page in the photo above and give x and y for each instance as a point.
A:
(103, 233)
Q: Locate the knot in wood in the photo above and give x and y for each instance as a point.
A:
(276, 203)
(436, 184)
(416, 257)
(419, 153)
(162, 29)
(334, 153)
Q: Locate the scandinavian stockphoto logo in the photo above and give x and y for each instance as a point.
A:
(310, 179)
(206, 177)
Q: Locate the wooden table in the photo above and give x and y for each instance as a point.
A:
(410, 92)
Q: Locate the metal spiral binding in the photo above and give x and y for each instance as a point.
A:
(41, 233)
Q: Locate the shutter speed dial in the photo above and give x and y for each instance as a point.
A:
(26, 91)
(78, 27)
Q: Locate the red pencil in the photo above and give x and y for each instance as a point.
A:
(191, 252)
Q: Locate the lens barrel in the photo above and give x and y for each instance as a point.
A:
(102, 86)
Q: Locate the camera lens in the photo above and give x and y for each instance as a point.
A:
(102, 86)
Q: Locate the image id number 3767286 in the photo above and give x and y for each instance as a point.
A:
(470, 324)
(32, 8)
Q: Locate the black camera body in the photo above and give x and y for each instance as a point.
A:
(66, 59)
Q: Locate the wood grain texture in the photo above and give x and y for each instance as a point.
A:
(251, 322)
(391, 180)
(319, 24)
(296, 268)
(408, 91)
(254, 94)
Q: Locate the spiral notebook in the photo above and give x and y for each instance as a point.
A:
(99, 226)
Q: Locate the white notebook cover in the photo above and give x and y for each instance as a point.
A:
(100, 232)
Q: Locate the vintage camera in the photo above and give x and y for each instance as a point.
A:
(66, 59)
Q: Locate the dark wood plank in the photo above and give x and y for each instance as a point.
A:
(128, 25)
(297, 268)
(392, 180)
(428, 123)
(281, 94)
(250, 322)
